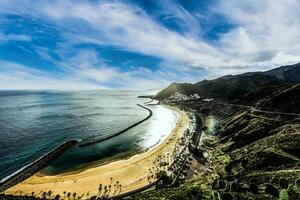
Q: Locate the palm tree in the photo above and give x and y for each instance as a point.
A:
(120, 188)
(49, 194)
(111, 180)
(74, 195)
(69, 195)
(100, 189)
(64, 194)
(32, 193)
(115, 186)
(44, 195)
(105, 189)
(57, 197)
(88, 193)
(109, 189)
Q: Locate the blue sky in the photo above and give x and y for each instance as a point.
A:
(141, 44)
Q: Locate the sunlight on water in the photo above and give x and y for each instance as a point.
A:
(163, 122)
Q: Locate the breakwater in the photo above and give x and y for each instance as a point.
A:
(30, 169)
(147, 96)
(148, 102)
(106, 137)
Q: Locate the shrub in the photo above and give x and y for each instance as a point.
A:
(283, 183)
(283, 195)
(219, 184)
(253, 188)
(270, 189)
(235, 187)
(290, 188)
(215, 195)
(229, 178)
(297, 184)
(253, 180)
(190, 194)
(227, 196)
(195, 193)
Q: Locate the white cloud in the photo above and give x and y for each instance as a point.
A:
(129, 28)
(265, 30)
(14, 76)
(87, 65)
(266, 33)
(99, 75)
(14, 37)
(83, 71)
(179, 15)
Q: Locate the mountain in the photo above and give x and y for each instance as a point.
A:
(289, 73)
(231, 87)
(249, 147)
(248, 150)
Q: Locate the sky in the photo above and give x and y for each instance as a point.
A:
(141, 44)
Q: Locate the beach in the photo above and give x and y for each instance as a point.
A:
(131, 173)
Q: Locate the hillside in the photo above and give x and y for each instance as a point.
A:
(232, 87)
(253, 154)
(280, 98)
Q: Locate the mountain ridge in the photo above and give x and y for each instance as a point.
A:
(231, 87)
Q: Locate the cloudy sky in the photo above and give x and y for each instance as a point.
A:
(141, 44)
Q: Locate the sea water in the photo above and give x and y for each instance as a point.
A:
(34, 122)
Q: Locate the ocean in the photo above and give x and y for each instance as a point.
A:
(34, 122)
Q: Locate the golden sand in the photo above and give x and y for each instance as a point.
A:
(131, 173)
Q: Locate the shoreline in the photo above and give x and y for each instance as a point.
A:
(122, 156)
(93, 164)
(88, 180)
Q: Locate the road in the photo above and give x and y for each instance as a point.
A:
(252, 109)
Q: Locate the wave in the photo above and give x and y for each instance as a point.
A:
(91, 115)
(97, 107)
(77, 107)
(45, 105)
(72, 127)
(121, 108)
(23, 93)
(55, 116)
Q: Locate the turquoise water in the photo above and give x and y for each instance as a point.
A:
(32, 123)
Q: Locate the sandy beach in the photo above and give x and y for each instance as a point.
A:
(131, 173)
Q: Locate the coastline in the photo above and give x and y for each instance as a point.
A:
(87, 181)
(122, 156)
